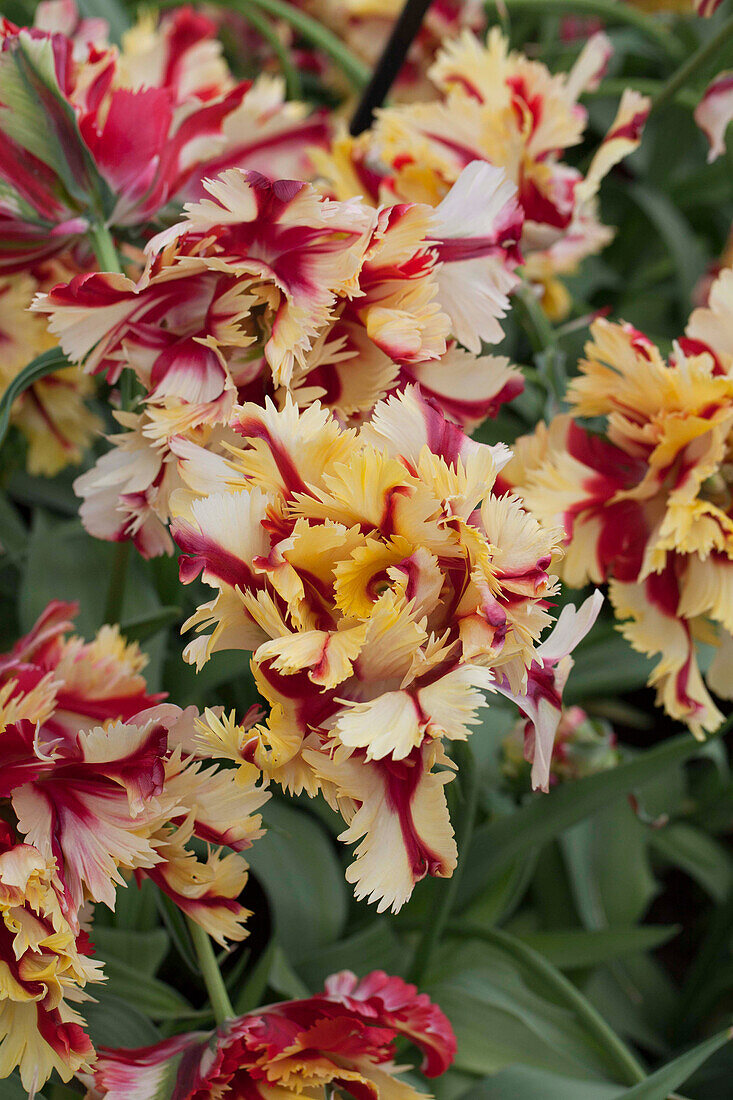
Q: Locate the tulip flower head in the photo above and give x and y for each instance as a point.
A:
(497, 106)
(365, 26)
(88, 136)
(45, 968)
(270, 289)
(382, 589)
(339, 1040)
(101, 782)
(646, 503)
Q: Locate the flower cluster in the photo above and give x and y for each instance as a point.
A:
(498, 106)
(646, 502)
(341, 1040)
(89, 134)
(382, 588)
(293, 334)
(270, 288)
(100, 780)
(135, 132)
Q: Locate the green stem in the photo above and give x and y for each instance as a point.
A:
(610, 11)
(533, 318)
(109, 260)
(128, 387)
(117, 583)
(266, 30)
(104, 248)
(693, 64)
(629, 1069)
(353, 68)
(218, 996)
(433, 931)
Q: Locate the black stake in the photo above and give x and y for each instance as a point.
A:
(390, 63)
